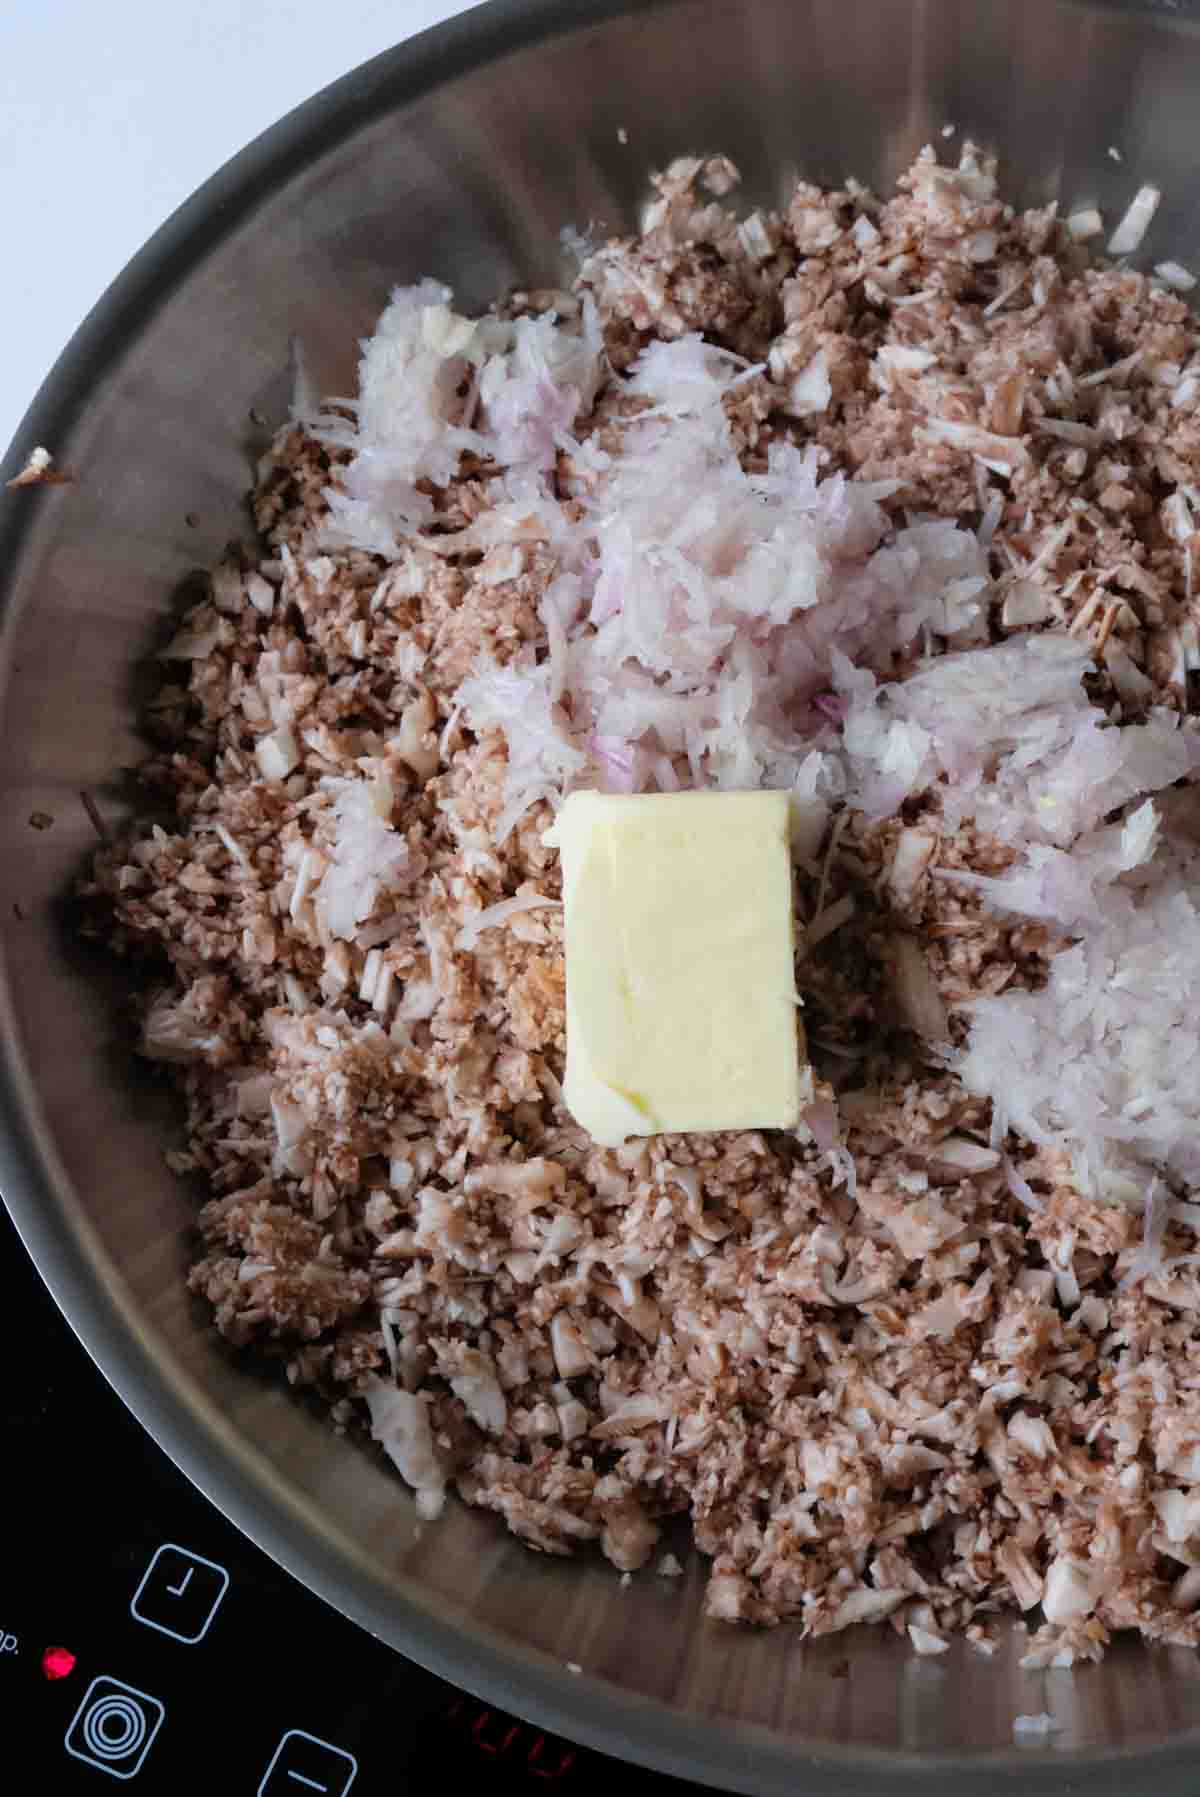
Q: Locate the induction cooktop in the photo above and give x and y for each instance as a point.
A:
(143, 1639)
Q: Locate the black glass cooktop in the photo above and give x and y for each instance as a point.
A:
(143, 1639)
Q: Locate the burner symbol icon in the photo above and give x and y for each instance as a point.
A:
(114, 1727)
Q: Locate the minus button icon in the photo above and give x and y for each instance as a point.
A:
(306, 1761)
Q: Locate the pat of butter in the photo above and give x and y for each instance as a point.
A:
(681, 997)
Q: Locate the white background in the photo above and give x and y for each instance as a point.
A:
(113, 111)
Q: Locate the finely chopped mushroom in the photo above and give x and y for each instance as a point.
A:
(892, 504)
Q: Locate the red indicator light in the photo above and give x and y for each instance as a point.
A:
(494, 1733)
(58, 1662)
(543, 1768)
(545, 1757)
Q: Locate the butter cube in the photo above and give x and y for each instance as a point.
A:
(681, 998)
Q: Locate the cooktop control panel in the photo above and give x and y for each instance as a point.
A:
(144, 1640)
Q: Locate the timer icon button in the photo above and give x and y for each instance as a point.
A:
(180, 1593)
(301, 1763)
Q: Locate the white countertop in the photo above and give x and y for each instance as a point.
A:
(111, 115)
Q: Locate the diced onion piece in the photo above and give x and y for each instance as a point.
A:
(278, 753)
(1085, 224)
(1136, 222)
(1071, 1590)
(1175, 275)
(810, 391)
